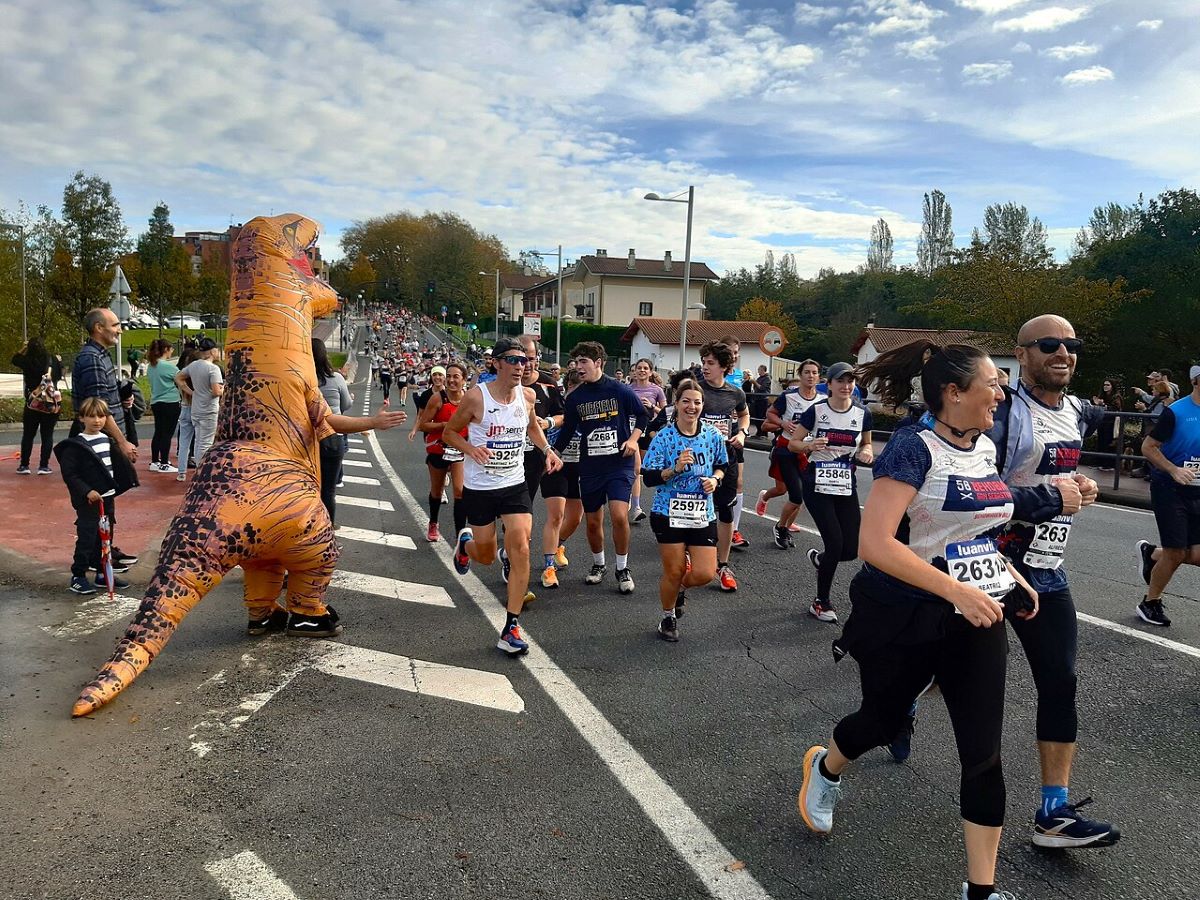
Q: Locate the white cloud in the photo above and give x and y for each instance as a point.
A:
(991, 7)
(987, 73)
(901, 16)
(922, 48)
(1071, 51)
(1021, 47)
(1150, 24)
(808, 14)
(1049, 19)
(1090, 75)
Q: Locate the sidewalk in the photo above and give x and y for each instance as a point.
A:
(37, 534)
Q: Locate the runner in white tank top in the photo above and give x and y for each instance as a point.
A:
(497, 417)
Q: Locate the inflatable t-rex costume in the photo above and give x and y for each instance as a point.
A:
(255, 499)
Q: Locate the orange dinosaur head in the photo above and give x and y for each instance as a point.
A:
(279, 245)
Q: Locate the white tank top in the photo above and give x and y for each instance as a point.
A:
(502, 430)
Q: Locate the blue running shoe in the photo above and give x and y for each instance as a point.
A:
(511, 641)
(901, 745)
(462, 562)
(1065, 828)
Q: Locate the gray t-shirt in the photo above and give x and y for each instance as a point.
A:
(203, 375)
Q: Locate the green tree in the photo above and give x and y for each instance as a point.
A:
(1012, 234)
(936, 242)
(211, 291)
(96, 235)
(163, 275)
(758, 309)
(1108, 223)
(879, 252)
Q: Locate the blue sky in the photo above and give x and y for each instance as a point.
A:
(546, 122)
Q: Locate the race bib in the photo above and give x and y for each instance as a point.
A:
(979, 564)
(571, 452)
(1049, 543)
(722, 424)
(450, 455)
(1193, 465)
(602, 442)
(834, 477)
(688, 511)
(506, 456)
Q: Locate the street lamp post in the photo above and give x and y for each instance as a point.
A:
(558, 300)
(687, 262)
(20, 229)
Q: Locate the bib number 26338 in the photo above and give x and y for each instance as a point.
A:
(979, 564)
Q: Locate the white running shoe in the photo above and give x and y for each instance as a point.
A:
(818, 795)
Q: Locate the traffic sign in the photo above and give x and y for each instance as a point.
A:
(772, 342)
(445, 309)
(533, 324)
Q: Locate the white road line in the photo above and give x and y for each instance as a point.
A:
(246, 877)
(693, 841)
(92, 615)
(1128, 509)
(358, 450)
(358, 479)
(392, 588)
(776, 519)
(356, 440)
(1186, 649)
(358, 464)
(366, 503)
(417, 676)
(382, 538)
(227, 719)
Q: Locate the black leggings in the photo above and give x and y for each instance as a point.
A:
(789, 473)
(330, 463)
(166, 417)
(385, 382)
(837, 518)
(1050, 640)
(33, 422)
(969, 665)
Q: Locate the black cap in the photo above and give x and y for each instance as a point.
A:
(207, 344)
(506, 344)
(837, 370)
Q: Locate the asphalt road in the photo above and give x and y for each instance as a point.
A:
(604, 764)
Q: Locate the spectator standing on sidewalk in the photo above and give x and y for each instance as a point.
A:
(204, 383)
(186, 431)
(164, 402)
(35, 363)
(1111, 400)
(333, 448)
(93, 471)
(94, 375)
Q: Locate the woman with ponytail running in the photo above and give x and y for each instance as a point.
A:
(931, 604)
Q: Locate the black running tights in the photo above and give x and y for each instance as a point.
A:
(837, 518)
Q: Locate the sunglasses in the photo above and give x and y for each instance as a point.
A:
(1049, 345)
(513, 360)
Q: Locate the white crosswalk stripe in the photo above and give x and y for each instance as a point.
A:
(368, 536)
(366, 503)
(358, 479)
(358, 450)
(392, 588)
(357, 463)
(246, 877)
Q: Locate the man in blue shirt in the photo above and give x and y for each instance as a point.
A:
(1173, 449)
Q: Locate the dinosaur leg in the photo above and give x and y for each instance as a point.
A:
(263, 584)
(170, 596)
(310, 566)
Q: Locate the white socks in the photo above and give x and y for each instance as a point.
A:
(737, 511)
(622, 561)
(598, 558)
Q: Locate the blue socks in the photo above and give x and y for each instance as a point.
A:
(1053, 796)
(549, 557)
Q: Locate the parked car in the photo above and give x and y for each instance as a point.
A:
(187, 323)
(215, 321)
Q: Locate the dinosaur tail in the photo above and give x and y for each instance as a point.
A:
(167, 601)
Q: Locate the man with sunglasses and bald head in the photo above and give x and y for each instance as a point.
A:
(1039, 432)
